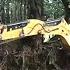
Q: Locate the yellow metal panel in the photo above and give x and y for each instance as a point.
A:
(37, 26)
(11, 34)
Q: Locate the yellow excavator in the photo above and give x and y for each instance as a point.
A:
(31, 27)
(29, 30)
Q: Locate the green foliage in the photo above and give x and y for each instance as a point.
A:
(17, 10)
(53, 8)
(12, 11)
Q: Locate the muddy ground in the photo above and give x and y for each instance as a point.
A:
(31, 54)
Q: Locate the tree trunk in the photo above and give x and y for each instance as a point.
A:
(35, 9)
(25, 9)
(7, 12)
(2, 12)
(66, 4)
(20, 10)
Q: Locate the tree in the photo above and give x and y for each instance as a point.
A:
(2, 11)
(66, 4)
(35, 8)
(7, 12)
(53, 8)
